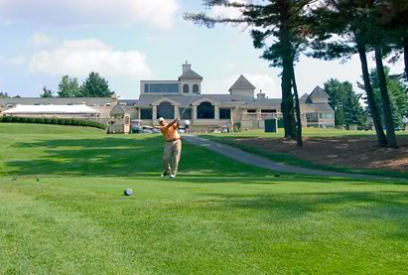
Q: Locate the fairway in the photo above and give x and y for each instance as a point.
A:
(65, 212)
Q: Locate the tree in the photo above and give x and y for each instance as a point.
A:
(4, 95)
(397, 95)
(95, 86)
(339, 29)
(68, 87)
(46, 93)
(353, 111)
(345, 102)
(279, 21)
(337, 92)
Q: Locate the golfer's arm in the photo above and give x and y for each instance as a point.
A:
(172, 123)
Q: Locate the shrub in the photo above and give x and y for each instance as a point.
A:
(60, 121)
(15, 119)
(39, 120)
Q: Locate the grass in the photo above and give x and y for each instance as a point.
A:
(217, 217)
(230, 139)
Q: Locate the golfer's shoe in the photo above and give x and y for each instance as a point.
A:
(164, 175)
(172, 176)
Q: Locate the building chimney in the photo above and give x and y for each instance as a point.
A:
(186, 67)
(114, 99)
(260, 95)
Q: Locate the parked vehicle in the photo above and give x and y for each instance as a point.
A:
(147, 130)
(135, 126)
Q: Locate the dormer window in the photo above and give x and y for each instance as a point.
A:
(196, 89)
(186, 89)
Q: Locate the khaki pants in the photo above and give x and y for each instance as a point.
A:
(171, 156)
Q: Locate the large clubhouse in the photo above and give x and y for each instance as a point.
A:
(184, 98)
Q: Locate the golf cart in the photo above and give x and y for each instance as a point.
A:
(135, 126)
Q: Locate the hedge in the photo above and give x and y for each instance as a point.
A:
(59, 121)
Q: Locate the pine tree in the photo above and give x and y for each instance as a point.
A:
(68, 87)
(46, 93)
(283, 21)
(95, 86)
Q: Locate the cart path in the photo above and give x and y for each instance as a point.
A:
(248, 158)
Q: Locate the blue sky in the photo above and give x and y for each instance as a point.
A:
(129, 40)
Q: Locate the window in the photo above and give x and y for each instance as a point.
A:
(165, 110)
(268, 111)
(146, 113)
(205, 110)
(186, 114)
(164, 88)
(327, 115)
(312, 117)
(196, 89)
(186, 89)
(225, 113)
(251, 111)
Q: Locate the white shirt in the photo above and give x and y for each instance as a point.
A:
(405, 120)
(187, 122)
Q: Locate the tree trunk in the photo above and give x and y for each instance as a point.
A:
(406, 60)
(297, 104)
(382, 140)
(287, 97)
(389, 123)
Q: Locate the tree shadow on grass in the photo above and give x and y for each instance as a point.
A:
(119, 157)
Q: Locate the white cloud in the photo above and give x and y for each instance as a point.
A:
(79, 57)
(261, 81)
(159, 13)
(40, 39)
(14, 60)
(227, 12)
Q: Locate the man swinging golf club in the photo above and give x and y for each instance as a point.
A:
(172, 149)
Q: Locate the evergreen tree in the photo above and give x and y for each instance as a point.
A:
(341, 28)
(68, 87)
(4, 95)
(345, 102)
(397, 95)
(353, 111)
(95, 86)
(46, 93)
(284, 22)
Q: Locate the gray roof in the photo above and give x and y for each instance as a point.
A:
(99, 101)
(242, 84)
(223, 99)
(129, 102)
(322, 107)
(190, 74)
(119, 110)
(319, 93)
(275, 102)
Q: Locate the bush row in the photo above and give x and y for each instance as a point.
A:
(56, 121)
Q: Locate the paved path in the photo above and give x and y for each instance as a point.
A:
(244, 157)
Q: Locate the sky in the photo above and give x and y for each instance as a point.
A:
(131, 40)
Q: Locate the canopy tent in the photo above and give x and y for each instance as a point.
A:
(51, 110)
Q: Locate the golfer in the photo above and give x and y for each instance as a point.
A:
(172, 149)
(187, 125)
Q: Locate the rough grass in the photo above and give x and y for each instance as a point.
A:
(65, 213)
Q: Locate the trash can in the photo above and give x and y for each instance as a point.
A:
(271, 125)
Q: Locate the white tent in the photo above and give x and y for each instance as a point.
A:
(51, 110)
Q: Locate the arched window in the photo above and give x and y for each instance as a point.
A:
(196, 89)
(185, 89)
(205, 110)
(165, 110)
